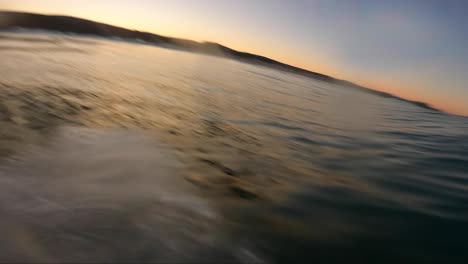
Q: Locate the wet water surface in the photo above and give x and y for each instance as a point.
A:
(115, 151)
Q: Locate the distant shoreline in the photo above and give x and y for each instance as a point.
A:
(67, 24)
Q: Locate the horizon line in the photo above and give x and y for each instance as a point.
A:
(376, 91)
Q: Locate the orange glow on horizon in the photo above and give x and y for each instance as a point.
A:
(445, 105)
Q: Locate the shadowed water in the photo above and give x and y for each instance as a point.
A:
(114, 151)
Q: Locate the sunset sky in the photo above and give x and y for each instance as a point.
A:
(416, 49)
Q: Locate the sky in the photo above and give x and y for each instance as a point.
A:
(416, 49)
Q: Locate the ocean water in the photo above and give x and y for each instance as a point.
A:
(118, 151)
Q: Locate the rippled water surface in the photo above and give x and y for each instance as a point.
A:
(116, 151)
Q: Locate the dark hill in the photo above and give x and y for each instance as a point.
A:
(66, 24)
